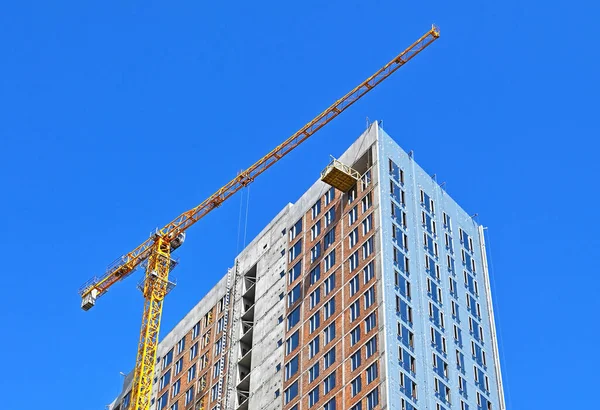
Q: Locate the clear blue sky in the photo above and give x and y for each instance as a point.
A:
(117, 116)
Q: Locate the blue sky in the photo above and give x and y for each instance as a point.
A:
(117, 116)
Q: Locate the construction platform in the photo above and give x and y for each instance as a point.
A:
(339, 175)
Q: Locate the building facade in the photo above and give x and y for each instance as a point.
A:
(374, 298)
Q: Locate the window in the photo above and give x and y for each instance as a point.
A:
(351, 195)
(329, 309)
(189, 396)
(194, 351)
(355, 360)
(295, 230)
(181, 345)
(162, 401)
(355, 336)
(292, 342)
(394, 171)
(313, 372)
(367, 223)
(358, 406)
(353, 285)
(315, 297)
(315, 230)
(191, 373)
(291, 368)
(372, 399)
(329, 333)
(315, 274)
(329, 284)
(353, 261)
(352, 216)
(367, 248)
(356, 386)
(371, 347)
(196, 330)
(164, 380)
(178, 365)
(369, 297)
(329, 383)
(313, 347)
(370, 322)
(353, 238)
(294, 295)
(329, 358)
(216, 369)
(329, 217)
(368, 272)
(404, 310)
(330, 405)
(329, 196)
(329, 239)
(291, 392)
(295, 272)
(329, 260)
(316, 209)
(168, 359)
(315, 321)
(293, 318)
(220, 324)
(366, 202)
(371, 372)
(354, 310)
(176, 387)
(315, 252)
(175, 406)
(313, 397)
(218, 346)
(295, 250)
(446, 220)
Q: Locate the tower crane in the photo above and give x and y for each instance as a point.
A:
(154, 254)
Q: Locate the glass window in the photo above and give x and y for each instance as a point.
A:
(293, 318)
(295, 229)
(291, 392)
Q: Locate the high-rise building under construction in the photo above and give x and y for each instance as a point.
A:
(375, 297)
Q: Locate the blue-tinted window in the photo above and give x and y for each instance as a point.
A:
(291, 368)
(371, 347)
(329, 358)
(371, 372)
(313, 397)
(291, 392)
(295, 250)
(294, 295)
(295, 272)
(293, 318)
(315, 274)
(296, 229)
(329, 383)
(292, 342)
(329, 239)
(330, 405)
(356, 386)
(370, 322)
(372, 399)
(313, 372)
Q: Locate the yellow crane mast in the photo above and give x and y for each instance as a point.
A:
(155, 253)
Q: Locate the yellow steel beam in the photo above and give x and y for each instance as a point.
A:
(155, 288)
